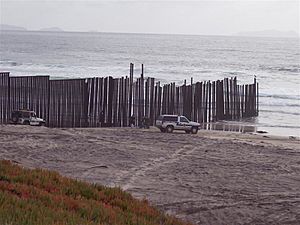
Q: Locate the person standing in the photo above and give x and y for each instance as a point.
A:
(101, 118)
(132, 121)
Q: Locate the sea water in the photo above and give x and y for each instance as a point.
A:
(274, 61)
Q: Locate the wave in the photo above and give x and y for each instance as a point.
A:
(227, 50)
(281, 112)
(54, 66)
(8, 63)
(295, 70)
(234, 73)
(279, 125)
(280, 105)
(292, 97)
(32, 66)
(291, 69)
(205, 71)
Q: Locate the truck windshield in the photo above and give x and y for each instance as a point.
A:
(32, 114)
(25, 114)
(184, 119)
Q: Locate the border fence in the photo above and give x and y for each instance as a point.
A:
(109, 102)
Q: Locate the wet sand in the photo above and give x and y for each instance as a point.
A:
(213, 177)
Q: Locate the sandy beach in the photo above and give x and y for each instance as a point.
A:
(213, 177)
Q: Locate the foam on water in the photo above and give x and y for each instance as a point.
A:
(275, 62)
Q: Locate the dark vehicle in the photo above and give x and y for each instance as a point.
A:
(26, 117)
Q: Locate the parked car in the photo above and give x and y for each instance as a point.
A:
(169, 123)
(26, 117)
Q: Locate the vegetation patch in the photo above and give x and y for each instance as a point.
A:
(44, 197)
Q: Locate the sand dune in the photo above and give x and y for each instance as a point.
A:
(209, 178)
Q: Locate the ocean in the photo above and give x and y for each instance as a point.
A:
(274, 61)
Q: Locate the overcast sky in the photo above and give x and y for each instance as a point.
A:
(181, 17)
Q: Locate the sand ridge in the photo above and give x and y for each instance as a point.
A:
(210, 178)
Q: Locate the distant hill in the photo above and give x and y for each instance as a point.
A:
(17, 28)
(52, 29)
(11, 27)
(268, 33)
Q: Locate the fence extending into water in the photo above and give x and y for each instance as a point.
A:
(108, 101)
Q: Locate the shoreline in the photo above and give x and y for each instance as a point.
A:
(214, 177)
(255, 138)
(249, 127)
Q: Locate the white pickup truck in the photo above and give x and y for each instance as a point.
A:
(169, 123)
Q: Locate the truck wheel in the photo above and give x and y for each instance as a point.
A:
(15, 120)
(188, 131)
(170, 129)
(163, 130)
(26, 122)
(194, 130)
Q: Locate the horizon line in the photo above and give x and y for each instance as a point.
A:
(237, 34)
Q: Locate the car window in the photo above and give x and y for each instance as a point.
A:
(26, 114)
(170, 118)
(184, 119)
(15, 113)
(160, 118)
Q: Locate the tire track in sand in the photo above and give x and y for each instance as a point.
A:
(132, 175)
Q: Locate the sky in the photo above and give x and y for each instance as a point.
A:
(173, 17)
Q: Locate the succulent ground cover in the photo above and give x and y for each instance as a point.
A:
(44, 197)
